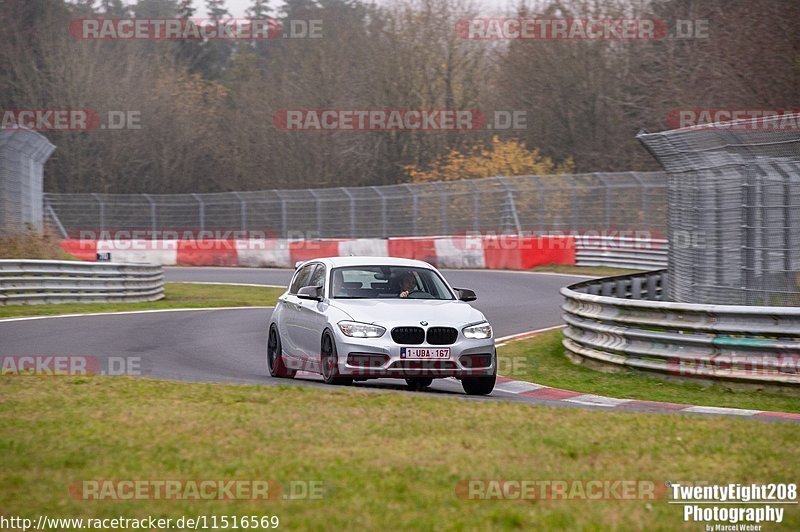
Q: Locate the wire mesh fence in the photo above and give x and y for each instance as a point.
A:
(22, 156)
(733, 212)
(607, 202)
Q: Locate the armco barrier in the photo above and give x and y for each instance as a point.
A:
(621, 252)
(621, 321)
(497, 252)
(53, 281)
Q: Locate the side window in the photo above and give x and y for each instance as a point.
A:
(301, 278)
(318, 277)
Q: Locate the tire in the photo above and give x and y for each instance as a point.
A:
(478, 385)
(418, 383)
(329, 362)
(275, 363)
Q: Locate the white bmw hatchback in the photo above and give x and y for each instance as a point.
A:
(359, 318)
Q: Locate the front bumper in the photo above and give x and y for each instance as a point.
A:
(385, 362)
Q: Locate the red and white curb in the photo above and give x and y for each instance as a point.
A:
(568, 397)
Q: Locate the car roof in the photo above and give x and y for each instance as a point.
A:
(335, 262)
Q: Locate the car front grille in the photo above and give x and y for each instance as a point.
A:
(442, 335)
(416, 365)
(408, 335)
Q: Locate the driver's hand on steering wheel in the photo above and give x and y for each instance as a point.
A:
(404, 293)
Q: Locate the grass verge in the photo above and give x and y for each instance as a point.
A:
(32, 245)
(589, 271)
(386, 461)
(177, 295)
(541, 360)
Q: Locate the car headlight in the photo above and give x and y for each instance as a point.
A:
(361, 330)
(478, 331)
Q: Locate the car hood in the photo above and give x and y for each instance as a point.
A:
(396, 312)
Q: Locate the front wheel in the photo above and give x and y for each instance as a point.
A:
(275, 364)
(478, 385)
(329, 362)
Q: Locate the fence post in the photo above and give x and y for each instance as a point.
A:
(153, 222)
(607, 187)
(476, 207)
(383, 211)
(352, 212)
(54, 217)
(644, 205)
(511, 203)
(317, 210)
(102, 212)
(542, 206)
(444, 228)
(284, 228)
(243, 205)
(201, 211)
(573, 220)
(414, 208)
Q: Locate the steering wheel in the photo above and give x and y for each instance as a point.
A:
(419, 294)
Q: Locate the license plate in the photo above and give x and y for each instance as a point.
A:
(424, 353)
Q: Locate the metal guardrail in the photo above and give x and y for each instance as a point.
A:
(622, 321)
(621, 252)
(54, 281)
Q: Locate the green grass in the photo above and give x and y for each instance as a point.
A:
(589, 271)
(32, 245)
(541, 360)
(387, 461)
(177, 295)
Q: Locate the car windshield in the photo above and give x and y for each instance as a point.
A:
(392, 282)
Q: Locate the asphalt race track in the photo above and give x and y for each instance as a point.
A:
(229, 345)
(514, 302)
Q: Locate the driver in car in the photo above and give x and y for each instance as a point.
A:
(407, 284)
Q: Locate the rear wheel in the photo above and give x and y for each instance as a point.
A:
(329, 362)
(418, 383)
(275, 364)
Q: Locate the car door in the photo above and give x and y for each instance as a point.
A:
(289, 325)
(312, 317)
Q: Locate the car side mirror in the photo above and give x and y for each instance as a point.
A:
(310, 292)
(465, 294)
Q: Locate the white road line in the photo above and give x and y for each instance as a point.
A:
(517, 386)
(526, 333)
(28, 318)
(721, 410)
(597, 400)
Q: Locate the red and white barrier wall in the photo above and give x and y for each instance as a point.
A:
(493, 252)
